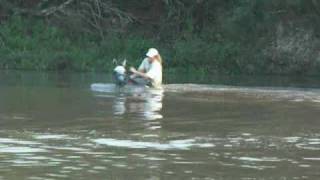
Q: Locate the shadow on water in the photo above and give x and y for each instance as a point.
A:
(30, 78)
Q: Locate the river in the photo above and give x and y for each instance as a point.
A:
(79, 126)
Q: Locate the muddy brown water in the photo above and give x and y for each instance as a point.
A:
(79, 126)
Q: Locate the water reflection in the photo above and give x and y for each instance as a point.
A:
(119, 105)
(62, 132)
(144, 102)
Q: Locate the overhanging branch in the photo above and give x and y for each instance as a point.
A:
(52, 10)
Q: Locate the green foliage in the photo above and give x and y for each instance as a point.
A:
(34, 45)
(231, 36)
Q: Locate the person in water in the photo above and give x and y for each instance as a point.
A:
(150, 71)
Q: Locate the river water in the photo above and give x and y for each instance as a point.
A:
(79, 126)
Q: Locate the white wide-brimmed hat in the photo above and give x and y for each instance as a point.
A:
(152, 52)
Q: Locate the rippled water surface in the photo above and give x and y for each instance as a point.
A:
(79, 126)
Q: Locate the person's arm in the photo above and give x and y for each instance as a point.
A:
(141, 69)
(134, 71)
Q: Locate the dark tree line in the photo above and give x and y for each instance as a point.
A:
(173, 16)
(276, 36)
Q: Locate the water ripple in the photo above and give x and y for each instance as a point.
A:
(172, 145)
(15, 150)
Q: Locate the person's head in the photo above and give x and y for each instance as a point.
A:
(153, 54)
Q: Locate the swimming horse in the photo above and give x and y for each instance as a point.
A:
(119, 73)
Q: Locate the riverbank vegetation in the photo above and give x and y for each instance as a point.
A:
(208, 36)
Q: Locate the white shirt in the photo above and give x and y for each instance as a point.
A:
(153, 71)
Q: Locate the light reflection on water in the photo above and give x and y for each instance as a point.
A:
(171, 145)
(87, 154)
(181, 132)
(132, 100)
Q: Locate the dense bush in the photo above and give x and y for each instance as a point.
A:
(230, 36)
